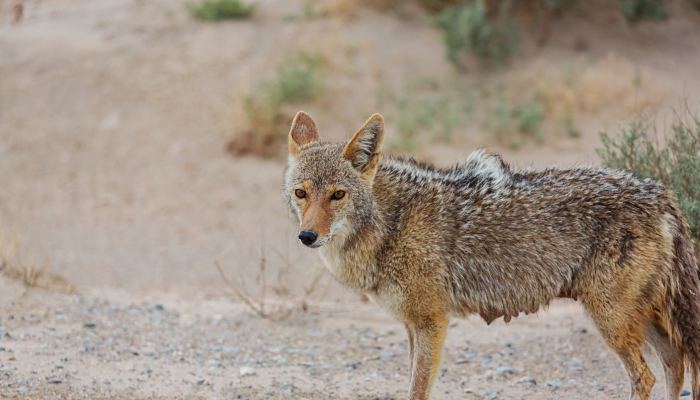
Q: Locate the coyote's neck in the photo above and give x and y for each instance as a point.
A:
(352, 252)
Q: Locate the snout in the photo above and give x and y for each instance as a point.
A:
(308, 237)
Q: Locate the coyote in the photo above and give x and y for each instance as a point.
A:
(483, 237)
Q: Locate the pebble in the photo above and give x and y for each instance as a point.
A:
(22, 389)
(554, 384)
(686, 393)
(352, 366)
(386, 354)
(54, 379)
(504, 371)
(489, 395)
(580, 329)
(285, 389)
(527, 379)
(246, 371)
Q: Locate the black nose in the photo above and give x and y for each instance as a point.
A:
(307, 237)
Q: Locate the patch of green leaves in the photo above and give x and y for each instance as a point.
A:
(218, 10)
(676, 162)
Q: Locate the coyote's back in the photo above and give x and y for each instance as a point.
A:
(482, 237)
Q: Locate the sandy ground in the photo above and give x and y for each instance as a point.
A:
(114, 116)
(113, 345)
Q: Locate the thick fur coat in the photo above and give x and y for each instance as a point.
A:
(483, 237)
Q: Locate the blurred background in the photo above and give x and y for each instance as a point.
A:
(143, 141)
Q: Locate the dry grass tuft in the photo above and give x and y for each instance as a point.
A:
(550, 100)
(16, 266)
(611, 83)
(269, 109)
(260, 305)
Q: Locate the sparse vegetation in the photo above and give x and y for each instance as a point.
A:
(489, 29)
(468, 29)
(16, 265)
(298, 80)
(218, 10)
(426, 110)
(638, 10)
(512, 123)
(261, 304)
(676, 162)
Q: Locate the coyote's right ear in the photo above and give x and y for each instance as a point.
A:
(303, 132)
(365, 147)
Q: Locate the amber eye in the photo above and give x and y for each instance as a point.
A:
(338, 194)
(300, 193)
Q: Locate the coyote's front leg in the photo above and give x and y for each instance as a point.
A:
(428, 338)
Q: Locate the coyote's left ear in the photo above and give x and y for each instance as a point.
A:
(365, 147)
(302, 132)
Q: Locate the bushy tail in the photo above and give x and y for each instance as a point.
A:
(686, 304)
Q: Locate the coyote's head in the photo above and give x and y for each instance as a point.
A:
(328, 185)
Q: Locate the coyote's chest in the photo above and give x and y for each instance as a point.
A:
(349, 268)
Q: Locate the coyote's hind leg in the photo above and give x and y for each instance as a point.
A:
(671, 358)
(625, 333)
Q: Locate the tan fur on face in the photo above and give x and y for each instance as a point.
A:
(318, 210)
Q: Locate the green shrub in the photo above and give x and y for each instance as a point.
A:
(426, 110)
(512, 123)
(675, 163)
(217, 10)
(299, 79)
(467, 29)
(437, 5)
(637, 10)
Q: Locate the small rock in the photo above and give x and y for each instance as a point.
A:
(554, 384)
(54, 379)
(386, 354)
(685, 393)
(489, 395)
(89, 325)
(352, 366)
(200, 382)
(285, 389)
(246, 371)
(527, 379)
(22, 389)
(580, 329)
(504, 371)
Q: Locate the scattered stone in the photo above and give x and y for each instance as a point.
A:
(488, 395)
(22, 389)
(528, 380)
(89, 325)
(505, 370)
(285, 389)
(575, 364)
(54, 379)
(554, 384)
(685, 393)
(352, 366)
(580, 329)
(200, 382)
(386, 354)
(246, 371)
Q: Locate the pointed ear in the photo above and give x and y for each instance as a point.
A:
(364, 148)
(303, 132)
